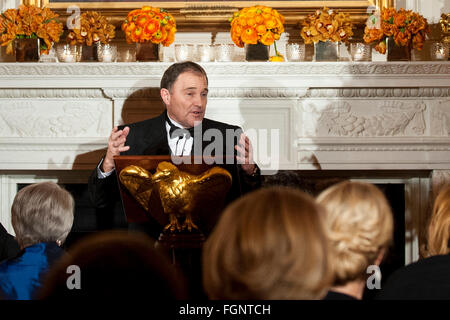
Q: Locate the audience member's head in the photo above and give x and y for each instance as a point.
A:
(359, 224)
(42, 212)
(269, 244)
(115, 265)
(439, 228)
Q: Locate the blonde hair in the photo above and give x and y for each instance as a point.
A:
(439, 227)
(269, 244)
(42, 212)
(359, 224)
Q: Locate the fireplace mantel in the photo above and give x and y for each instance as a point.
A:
(374, 115)
(371, 117)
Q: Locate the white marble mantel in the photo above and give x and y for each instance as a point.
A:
(373, 117)
(329, 115)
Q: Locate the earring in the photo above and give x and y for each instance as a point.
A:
(59, 242)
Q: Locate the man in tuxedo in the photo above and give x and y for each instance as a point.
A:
(184, 91)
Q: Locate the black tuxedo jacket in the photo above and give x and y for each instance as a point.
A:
(149, 137)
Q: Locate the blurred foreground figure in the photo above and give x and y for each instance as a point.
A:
(427, 278)
(113, 265)
(42, 216)
(269, 244)
(360, 225)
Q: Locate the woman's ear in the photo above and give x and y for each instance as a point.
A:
(165, 96)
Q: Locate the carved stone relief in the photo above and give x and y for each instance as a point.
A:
(54, 118)
(359, 118)
(440, 118)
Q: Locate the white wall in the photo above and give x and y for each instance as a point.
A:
(430, 9)
(7, 4)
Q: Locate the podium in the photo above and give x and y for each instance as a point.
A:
(152, 185)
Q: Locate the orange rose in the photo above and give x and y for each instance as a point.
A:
(152, 26)
(169, 39)
(259, 19)
(267, 38)
(399, 19)
(157, 26)
(249, 36)
(402, 38)
(251, 25)
(418, 41)
(278, 58)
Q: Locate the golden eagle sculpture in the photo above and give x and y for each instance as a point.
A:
(181, 193)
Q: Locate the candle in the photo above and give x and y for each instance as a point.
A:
(295, 52)
(107, 56)
(440, 55)
(68, 57)
(439, 51)
(224, 52)
(205, 52)
(183, 52)
(359, 54)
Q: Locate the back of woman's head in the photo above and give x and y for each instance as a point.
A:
(269, 244)
(42, 212)
(359, 224)
(116, 265)
(439, 228)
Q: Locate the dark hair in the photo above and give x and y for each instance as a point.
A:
(171, 74)
(115, 265)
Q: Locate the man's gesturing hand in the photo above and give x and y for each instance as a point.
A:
(116, 145)
(245, 154)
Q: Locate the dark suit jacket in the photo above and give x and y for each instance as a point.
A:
(426, 279)
(9, 248)
(149, 137)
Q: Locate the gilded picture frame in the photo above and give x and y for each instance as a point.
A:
(198, 14)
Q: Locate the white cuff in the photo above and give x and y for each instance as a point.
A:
(101, 174)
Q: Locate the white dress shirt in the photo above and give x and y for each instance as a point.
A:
(178, 146)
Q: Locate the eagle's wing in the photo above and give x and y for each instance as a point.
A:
(210, 190)
(138, 182)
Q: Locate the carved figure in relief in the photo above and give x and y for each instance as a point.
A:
(441, 118)
(393, 120)
(25, 119)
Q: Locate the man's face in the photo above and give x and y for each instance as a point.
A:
(186, 102)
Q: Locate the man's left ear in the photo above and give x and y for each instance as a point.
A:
(165, 96)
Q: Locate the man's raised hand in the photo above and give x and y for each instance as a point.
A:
(116, 145)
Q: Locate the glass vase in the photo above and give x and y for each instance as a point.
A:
(89, 53)
(147, 51)
(397, 53)
(27, 50)
(256, 52)
(326, 51)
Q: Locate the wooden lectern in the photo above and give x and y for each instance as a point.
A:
(183, 246)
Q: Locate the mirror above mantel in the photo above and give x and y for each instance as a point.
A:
(213, 15)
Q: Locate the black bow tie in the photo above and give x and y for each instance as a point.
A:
(180, 132)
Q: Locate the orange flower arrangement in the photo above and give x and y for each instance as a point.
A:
(326, 24)
(94, 28)
(256, 24)
(150, 24)
(29, 21)
(405, 26)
